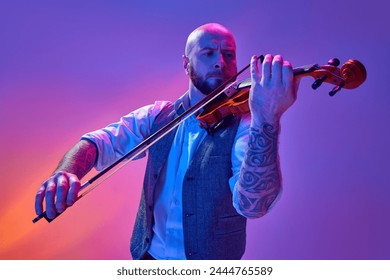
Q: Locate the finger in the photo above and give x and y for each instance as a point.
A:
(296, 81)
(75, 186)
(287, 74)
(254, 69)
(39, 199)
(266, 68)
(277, 63)
(62, 192)
(49, 196)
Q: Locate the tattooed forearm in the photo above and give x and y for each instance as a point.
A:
(79, 160)
(259, 181)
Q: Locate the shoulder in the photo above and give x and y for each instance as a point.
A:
(149, 111)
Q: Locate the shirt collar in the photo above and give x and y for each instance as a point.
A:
(182, 104)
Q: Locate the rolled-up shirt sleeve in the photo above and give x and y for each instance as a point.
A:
(117, 139)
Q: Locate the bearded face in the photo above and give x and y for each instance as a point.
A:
(207, 83)
(210, 58)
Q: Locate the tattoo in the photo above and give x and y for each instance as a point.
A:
(79, 160)
(259, 181)
(262, 146)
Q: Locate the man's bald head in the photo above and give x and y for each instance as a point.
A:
(215, 29)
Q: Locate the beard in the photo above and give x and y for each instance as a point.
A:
(202, 84)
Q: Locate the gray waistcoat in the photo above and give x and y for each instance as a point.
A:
(212, 227)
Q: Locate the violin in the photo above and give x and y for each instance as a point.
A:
(231, 99)
(235, 100)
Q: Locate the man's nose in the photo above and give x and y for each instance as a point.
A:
(220, 61)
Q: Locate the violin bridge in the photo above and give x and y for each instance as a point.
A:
(231, 90)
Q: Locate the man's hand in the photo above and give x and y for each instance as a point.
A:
(273, 89)
(61, 189)
(59, 192)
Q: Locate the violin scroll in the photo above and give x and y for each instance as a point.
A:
(350, 75)
(354, 73)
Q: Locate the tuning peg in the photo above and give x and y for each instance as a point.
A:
(318, 82)
(335, 90)
(334, 62)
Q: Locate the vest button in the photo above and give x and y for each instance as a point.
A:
(150, 207)
(147, 239)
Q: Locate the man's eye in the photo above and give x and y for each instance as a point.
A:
(209, 53)
(229, 55)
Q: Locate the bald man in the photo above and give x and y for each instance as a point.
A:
(199, 187)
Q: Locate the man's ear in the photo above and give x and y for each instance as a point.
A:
(186, 64)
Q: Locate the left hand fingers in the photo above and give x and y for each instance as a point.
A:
(288, 74)
(277, 90)
(266, 69)
(254, 69)
(277, 63)
(276, 71)
(282, 76)
(282, 72)
(290, 82)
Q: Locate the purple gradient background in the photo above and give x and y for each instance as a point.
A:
(69, 67)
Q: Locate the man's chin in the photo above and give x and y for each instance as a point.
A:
(215, 81)
(208, 87)
(213, 84)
